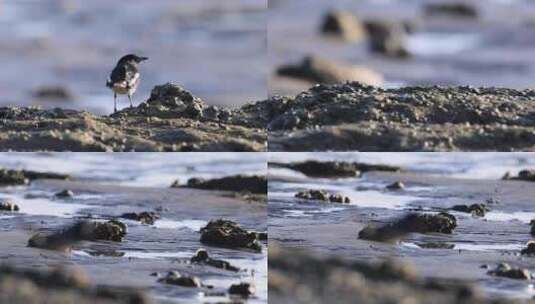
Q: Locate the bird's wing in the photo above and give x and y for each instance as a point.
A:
(118, 76)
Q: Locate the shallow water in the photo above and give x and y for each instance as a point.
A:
(215, 49)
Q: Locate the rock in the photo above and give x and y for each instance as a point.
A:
(145, 217)
(474, 209)
(334, 169)
(435, 245)
(12, 177)
(387, 38)
(532, 224)
(54, 92)
(459, 9)
(505, 270)
(319, 70)
(524, 175)
(396, 186)
(202, 257)
(171, 100)
(238, 183)
(8, 206)
(343, 25)
(414, 222)
(262, 236)
(64, 194)
(243, 289)
(228, 234)
(63, 240)
(175, 278)
(530, 248)
(322, 195)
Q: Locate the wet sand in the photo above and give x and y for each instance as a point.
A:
(166, 246)
(332, 229)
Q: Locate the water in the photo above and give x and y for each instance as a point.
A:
(215, 49)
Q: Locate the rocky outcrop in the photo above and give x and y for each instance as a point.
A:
(343, 25)
(474, 209)
(238, 183)
(21, 177)
(505, 270)
(176, 278)
(323, 196)
(9, 206)
(334, 169)
(228, 234)
(202, 257)
(144, 217)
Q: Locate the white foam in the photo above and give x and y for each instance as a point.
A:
(194, 225)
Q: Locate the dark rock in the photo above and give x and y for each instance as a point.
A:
(530, 248)
(228, 234)
(175, 278)
(64, 194)
(474, 209)
(144, 217)
(505, 270)
(12, 177)
(532, 224)
(202, 257)
(33, 175)
(334, 168)
(171, 100)
(396, 186)
(414, 222)
(343, 25)
(54, 92)
(435, 245)
(237, 183)
(262, 236)
(112, 230)
(387, 38)
(322, 195)
(243, 289)
(319, 70)
(459, 9)
(9, 206)
(524, 175)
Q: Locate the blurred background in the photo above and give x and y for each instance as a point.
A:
(395, 43)
(59, 53)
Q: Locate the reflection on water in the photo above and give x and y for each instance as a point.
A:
(216, 49)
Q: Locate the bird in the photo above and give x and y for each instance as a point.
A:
(125, 77)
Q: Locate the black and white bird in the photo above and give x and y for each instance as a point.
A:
(125, 77)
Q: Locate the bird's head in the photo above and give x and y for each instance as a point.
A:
(131, 58)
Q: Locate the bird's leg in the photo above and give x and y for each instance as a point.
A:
(130, 98)
(114, 102)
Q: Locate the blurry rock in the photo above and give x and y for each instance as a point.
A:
(322, 195)
(54, 92)
(530, 248)
(474, 209)
(319, 70)
(396, 186)
(202, 257)
(228, 234)
(334, 169)
(8, 206)
(144, 217)
(505, 270)
(458, 9)
(33, 175)
(532, 224)
(414, 222)
(12, 177)
(524, 175)
(343, 25)
(388, 38)
(435, 245)
(82, 231)
(243, 289)
(262, 236)
(175, 278)
(64, 194)
(238, 183)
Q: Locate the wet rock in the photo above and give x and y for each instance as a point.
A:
(414, 222)
(244, 290)
(343, 25)
(474, 209)
(33, 175)
(63, 240)
(319, 70)
(64, 194)
(396, 186)
(53, 93)
(262, 236)
(505, 270)
(322, 195)
(175, 278)
(238, 183)
(334, 168)
(228, 234)
(202, 257)
(144, 217)
(435, 245)
(387, 38)
(458, 9)
(8, 206)
(524, 175)
(530, 248)
(12, 177)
